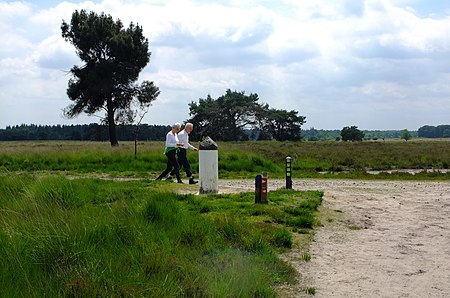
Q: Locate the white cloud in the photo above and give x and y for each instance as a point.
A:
(54, 53)
(336, 62)
(10, 33)
(9, 10)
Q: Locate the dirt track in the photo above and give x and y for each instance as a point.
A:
(401, 250)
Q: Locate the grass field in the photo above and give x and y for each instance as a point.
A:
(236, 160)
(64, 234)
(84, 237)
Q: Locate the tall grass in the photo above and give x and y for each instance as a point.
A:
(236, 160)
(92, 237)
(378, 155)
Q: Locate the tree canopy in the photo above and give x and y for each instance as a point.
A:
(406, 135)
(113, 57)
(352, 133)
(231, 116)
(440, 131)
(281, 125)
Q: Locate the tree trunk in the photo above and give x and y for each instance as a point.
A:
(111, 124)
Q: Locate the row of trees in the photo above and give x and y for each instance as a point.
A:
(352, 133)
(146, 132)
(234, 116)
(87, 132)
(440, 131)
(313, 134)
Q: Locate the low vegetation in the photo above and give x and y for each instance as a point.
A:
(88, 237)
(239, 159)
(65, 231)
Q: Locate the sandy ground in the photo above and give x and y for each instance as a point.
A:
(401, 250)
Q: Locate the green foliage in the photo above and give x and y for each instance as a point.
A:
(280, 125)
(406, 135)
(113, 57)
(352, 133)
(228, 117)
(92, 237)
(440, 131)
(223, 119)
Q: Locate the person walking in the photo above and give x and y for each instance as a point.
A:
(183, 137)
(173, 145)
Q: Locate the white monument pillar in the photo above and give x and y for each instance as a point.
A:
(208, 167)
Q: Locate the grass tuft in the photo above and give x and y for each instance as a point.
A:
(282, 238)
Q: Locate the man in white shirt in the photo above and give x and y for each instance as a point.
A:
(183, 137)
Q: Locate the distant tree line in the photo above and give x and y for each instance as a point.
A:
(85, 132)
(440, 131)
(98, 132)
(313, 134)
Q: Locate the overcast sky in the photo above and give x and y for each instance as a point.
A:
(376, 64)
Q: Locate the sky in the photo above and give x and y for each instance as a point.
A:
(375, 64)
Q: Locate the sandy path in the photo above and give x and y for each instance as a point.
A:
(402, 250)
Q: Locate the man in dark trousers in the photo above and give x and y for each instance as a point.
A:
(183, 137)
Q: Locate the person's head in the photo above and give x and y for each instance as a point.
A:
(176, 127)
(189, 127)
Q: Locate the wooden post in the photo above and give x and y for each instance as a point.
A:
(288, 172)
(264, 188)
(258, 181)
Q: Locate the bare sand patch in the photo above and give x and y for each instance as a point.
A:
(402, 248)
